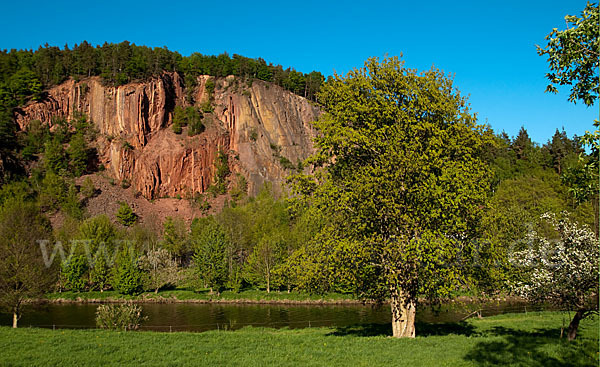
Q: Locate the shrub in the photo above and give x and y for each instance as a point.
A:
(253, 134)
(125, 215)
(285, 163)
(119, 317)
(125, 183)
(177, 128)
(73, 272)
(240, 189)
(195, 127)
(70, 203)
(201, 202)
(127, 277)
(207, 107)
(87, 188)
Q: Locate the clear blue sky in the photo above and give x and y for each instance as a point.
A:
(488, 45)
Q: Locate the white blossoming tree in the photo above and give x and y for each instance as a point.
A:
(562, 271)
(160, 267)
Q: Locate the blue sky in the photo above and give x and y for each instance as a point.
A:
(488, 45)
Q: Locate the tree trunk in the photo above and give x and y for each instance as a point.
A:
(268, 284)
(574, 325)
(15, 319)
(403, 315)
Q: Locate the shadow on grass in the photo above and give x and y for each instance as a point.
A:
(422, 329)
(541, 347)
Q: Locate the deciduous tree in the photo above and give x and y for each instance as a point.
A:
(23, 274)
(400, 182)
(563, 272)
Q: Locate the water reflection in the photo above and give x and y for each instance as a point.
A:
(202, 317)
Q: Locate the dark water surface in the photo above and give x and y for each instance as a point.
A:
(202, 317)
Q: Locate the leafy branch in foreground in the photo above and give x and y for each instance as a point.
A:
(573, 56)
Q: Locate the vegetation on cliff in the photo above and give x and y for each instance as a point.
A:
(26, 73)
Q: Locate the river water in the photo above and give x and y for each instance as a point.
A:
(203, 317)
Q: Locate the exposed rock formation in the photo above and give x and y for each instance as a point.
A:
(257, 125)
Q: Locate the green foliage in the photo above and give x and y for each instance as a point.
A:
(210, 245)
(34, 139)
(177, 129)
(573, 56)
(207, 107)
(73, 273)
(100, 232)
(201, 202)
(219, 186)
(71, 204)
(253, 134)
(240, 190)
(87, 188)
(119, 317)
(54, 156)
(21, 86)
(285, 163)
(270, 231)
(23, 272)
(501, 340)
(53, 191)
(402, 182)
(175, 237)
(160, 268)
(210, 87)
(100, 272)
(188, 116)
(125, 215)
(127, 277)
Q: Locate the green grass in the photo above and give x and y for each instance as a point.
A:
(189, 295)
(516, 339)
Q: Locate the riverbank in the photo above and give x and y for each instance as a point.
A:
(511, 339)
(189, 296)
(243, 297)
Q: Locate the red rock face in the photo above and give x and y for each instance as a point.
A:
(256, 125)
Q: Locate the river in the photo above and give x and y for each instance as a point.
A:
(203, 317)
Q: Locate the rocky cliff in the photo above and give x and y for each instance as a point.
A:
(262, 127)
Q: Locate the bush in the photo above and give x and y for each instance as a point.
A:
(177, 128)
(125, 215)
(253, 134)
(73, 272)
(207, 107)
(119, 317)
(87, 188)
(285, 163)
(195, 127)
(127, 277)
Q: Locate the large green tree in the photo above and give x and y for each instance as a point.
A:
(399, 181)
(23, 273)
(210, 244)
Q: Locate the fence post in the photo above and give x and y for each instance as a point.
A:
(170, 328)
(53, 327)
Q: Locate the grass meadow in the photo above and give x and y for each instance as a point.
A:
(531, 339)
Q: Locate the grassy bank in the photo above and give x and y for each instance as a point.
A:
(515, 339)
(183, 295)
